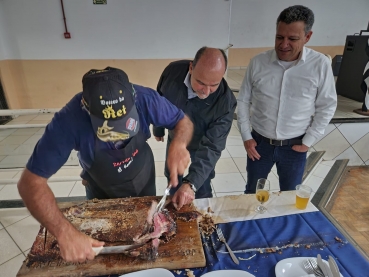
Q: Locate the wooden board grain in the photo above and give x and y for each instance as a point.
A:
(349, 205)
(183, 251)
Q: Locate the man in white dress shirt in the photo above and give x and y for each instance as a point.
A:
(286, 100)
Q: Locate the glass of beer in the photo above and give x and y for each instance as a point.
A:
(262, 194)
(303, 193)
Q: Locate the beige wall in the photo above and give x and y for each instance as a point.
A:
(32, 84)
(241, 56)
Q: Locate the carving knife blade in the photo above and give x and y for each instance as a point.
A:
(115, 249)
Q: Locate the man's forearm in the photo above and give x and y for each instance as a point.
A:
(178, 156)
(40, 201)
(183, 131)
(243, 120)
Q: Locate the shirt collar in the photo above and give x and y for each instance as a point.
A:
(187, 82)
(302, 57)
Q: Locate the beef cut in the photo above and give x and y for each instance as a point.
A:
(115, 221)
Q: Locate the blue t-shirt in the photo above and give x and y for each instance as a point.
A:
(71, 129)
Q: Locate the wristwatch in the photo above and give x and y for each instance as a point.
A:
(191, 185)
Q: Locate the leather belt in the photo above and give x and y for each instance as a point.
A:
(276, 142)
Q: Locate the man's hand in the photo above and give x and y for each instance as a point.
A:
(177, 161)
(40, 201)
(159, 139)
(300, 148)
(76, 246)
(250, 149)
(184, 195)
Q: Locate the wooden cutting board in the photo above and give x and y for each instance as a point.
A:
(183, 251)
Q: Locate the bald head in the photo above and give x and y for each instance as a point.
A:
(210, 59)
(207, 70)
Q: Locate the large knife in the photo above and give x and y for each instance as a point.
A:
(115, 249)
(326, 271)
(334, 267)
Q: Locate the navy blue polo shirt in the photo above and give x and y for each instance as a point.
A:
(71, 129)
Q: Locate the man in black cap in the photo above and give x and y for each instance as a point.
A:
(108, 124)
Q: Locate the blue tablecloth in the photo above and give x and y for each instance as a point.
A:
(306, 235)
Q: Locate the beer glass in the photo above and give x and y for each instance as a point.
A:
(303, 193)
(262, 194)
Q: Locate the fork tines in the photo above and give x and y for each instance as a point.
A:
(220, 233)
(312, 267)
(308, 267)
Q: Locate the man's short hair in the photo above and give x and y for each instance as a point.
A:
(201, 51)
(297, 13)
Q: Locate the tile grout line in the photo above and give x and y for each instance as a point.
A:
(351, 145)
(16, 221)
(15, 244)
(240, 171)
(13, 258)
(73, 188)
(347, 140)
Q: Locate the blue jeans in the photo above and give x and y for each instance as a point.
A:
(290, 165)
(205, 191)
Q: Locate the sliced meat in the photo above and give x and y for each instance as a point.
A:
(148, 252)
(171, 226)
(189, 216)
(163, 225)
(115, 221)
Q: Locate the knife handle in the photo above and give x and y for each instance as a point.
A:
(97, 250)
(334, 267)
(234, 258)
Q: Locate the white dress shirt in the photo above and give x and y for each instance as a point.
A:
(287, 103)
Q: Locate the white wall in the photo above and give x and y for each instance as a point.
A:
(2, 32)
(253, 22)
(150, 29)
(129, 29)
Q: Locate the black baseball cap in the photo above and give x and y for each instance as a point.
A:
(109, 97)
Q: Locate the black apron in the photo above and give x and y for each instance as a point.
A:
(122, 172)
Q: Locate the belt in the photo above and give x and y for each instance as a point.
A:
(276, 142)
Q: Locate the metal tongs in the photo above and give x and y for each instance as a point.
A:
(161, 204)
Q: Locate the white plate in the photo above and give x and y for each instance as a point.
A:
(155, 272)
(293, 267)
(233, 273)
